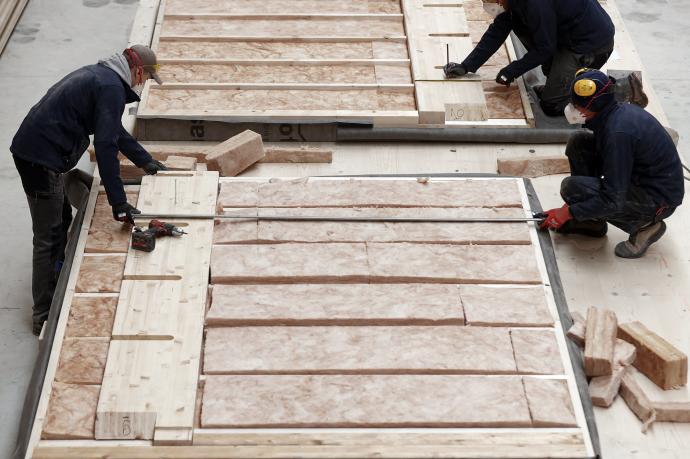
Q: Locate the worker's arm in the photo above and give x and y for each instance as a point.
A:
(542, 23)
(616, 176)
(133, 149)
(492, 39)
(110, 103)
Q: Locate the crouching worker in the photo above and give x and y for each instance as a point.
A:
(626, 172)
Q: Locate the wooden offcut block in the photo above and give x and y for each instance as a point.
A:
(603, 389)
(672, 411)
(533, 166)
(600, 339)
(235, 154)
(297, 155)
(656, 358)
(637, 400)
(577, 331)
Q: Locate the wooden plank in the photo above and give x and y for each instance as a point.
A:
(297, 6)
(13, 13)
(656, 358)
(82, 361)
(533, 166)
(302, 154)
(428, 55)
(364, 401)
(536, 351)
(600, 339)
(441, 101)
(170, 194)
(100, 273)
(370, 193)
(149, 309)
(257, 26)
(319, 304)
(511, 306)
(71, 412)
(450, 443)
(549, 402)
(173, 163)
(379, 263)
(91, 317)
(358, 350)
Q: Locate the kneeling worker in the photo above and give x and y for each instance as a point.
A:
(560, 35)
(626, 171)
(53, 137)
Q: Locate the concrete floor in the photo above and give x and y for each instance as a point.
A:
(57, 36)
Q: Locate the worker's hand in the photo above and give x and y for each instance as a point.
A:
(503, 78)
(153, 167)
(123, 212)
(454, 70)
(555, 218)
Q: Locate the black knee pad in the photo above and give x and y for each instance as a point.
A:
(551, 109)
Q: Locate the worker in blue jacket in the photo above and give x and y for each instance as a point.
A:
(561, 36)
(626, 171)
(52, 138)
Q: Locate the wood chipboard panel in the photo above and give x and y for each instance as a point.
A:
(330, 304)
(359, 350)
(364, 401)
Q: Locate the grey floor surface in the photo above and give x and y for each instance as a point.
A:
(57, 36)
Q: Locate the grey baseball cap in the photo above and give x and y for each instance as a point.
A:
(148, 61)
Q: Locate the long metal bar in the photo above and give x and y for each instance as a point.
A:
(313, 218)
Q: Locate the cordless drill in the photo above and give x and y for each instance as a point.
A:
(145, 239)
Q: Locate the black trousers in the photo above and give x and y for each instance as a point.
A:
(51, 215)
(639, 210)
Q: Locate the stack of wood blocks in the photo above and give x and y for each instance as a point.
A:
(610, 349)
(437, 338)
(370, 61)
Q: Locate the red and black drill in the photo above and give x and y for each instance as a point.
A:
(145, 239)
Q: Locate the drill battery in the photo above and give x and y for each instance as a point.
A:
(145, 239)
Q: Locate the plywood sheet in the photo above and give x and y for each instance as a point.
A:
(186, 101)
(295, 72)
(364, 401)
(100, 274)
(492, 306)
(470, 264)
(289, 263)
(82, 360)
(71, 412)
(358, 350)
(536, 351)
(549, 402)
(371, 193)
(326, 304)
(259, 50)
(255, 26)
(150, 309)
(292, 6)
(429, 54)
(91, 317)
(450, 100)
(179, 194)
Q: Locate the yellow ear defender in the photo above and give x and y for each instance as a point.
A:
(585, 88)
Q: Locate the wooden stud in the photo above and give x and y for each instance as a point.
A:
(600, 339)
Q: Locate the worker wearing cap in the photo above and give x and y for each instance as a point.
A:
(626, 171)
(52, 138)
(561, 36)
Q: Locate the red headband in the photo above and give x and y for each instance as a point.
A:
(598, 94)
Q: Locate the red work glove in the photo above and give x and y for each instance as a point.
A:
(555, 218)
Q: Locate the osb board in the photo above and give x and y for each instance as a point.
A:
(369, 193)
(281, 7)
(324, 304)
(359, 350)
(348, 73)
(252, 26)
(295, 50)
(185, 101)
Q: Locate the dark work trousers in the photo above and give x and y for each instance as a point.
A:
(585, 181)
(51, 215)
(560, 73)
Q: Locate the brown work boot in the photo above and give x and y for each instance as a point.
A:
(638, 243)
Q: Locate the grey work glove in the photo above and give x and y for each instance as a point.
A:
(454, 70)
(153, 167)
(123, 212)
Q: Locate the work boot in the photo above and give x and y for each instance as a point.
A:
(538, 90)
(628, 88)
(638, 243)
(37, 326)
(590, 228)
